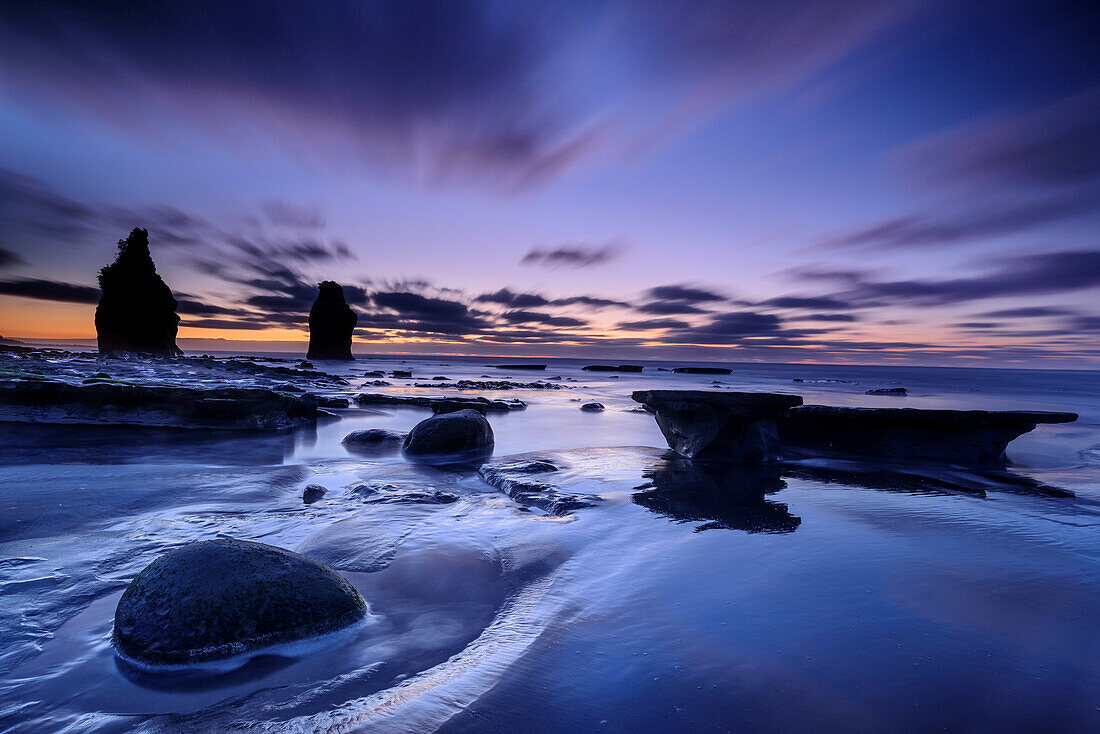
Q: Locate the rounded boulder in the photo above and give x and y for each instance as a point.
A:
(450, 433)
(215, 599)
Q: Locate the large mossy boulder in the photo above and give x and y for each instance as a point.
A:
(331, 323)
(460, 432)
(136, 312)
(216, 599)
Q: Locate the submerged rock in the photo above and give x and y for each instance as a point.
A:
(613, 368)
(592, 407)
(313, 492)
(896, 391)
(389, 493)
(723, 426)
(374, 441)
(136, 312)
(461, 432)
(231, 408)
(530, 482)
(964, 437)
(220, 598)
(331, 323)
(702, 370)
(374, 436)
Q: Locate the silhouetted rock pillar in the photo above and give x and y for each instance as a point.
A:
(136, 311)
(331, 322)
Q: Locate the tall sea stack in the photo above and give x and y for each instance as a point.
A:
(136, 312)
(331, 322)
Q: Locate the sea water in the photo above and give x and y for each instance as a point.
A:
(848, 597)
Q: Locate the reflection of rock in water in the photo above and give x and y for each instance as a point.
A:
(920, 478)
(719, 496)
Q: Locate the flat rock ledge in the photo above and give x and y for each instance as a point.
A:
(442, 404)
(231, 408)
(530, 482)
(220, 598)
(961, 437)
(719, 426)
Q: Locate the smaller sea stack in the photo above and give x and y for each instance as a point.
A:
(331, 323)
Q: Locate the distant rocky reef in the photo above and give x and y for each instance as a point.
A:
(136, 312)
(331, 323)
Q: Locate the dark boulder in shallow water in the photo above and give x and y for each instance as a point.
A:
(894, 391)
(313, 492)
(702, 370)
(721, 426)
(136, 312)
(592, 407)
(220, 598)
(374, 437)
(331, 323)
(962, 437)
(231, 408)
(464, 433)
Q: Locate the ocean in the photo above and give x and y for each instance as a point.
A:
(831, 595)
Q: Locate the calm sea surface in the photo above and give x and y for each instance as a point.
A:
(830, 596)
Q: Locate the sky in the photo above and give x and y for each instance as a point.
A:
(912, 182)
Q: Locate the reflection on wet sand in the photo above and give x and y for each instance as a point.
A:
(728, 496)
(733, 496)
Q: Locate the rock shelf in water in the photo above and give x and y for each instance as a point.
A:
(231, 408)
(754, 427)
(219, 598)
(723, 426)
(440, 404)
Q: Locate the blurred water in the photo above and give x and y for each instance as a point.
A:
(828, 597)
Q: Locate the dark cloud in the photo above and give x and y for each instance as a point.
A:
(979, 221)
(286, 214)
(977, 325)
(9, 259)
(533, 317)
(653, 324)
(998, 176)
(683, 293)
(50, 290)
(808, 302)
(246, 324)
(669, 308)
(1029, 312)
(444, 90)
(516, 300)
(741, 324)
(1027, 275)
(835, 317)
(434, 315)
(590, 301)
(573, 256)
(188, 305)
(1053, 146)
